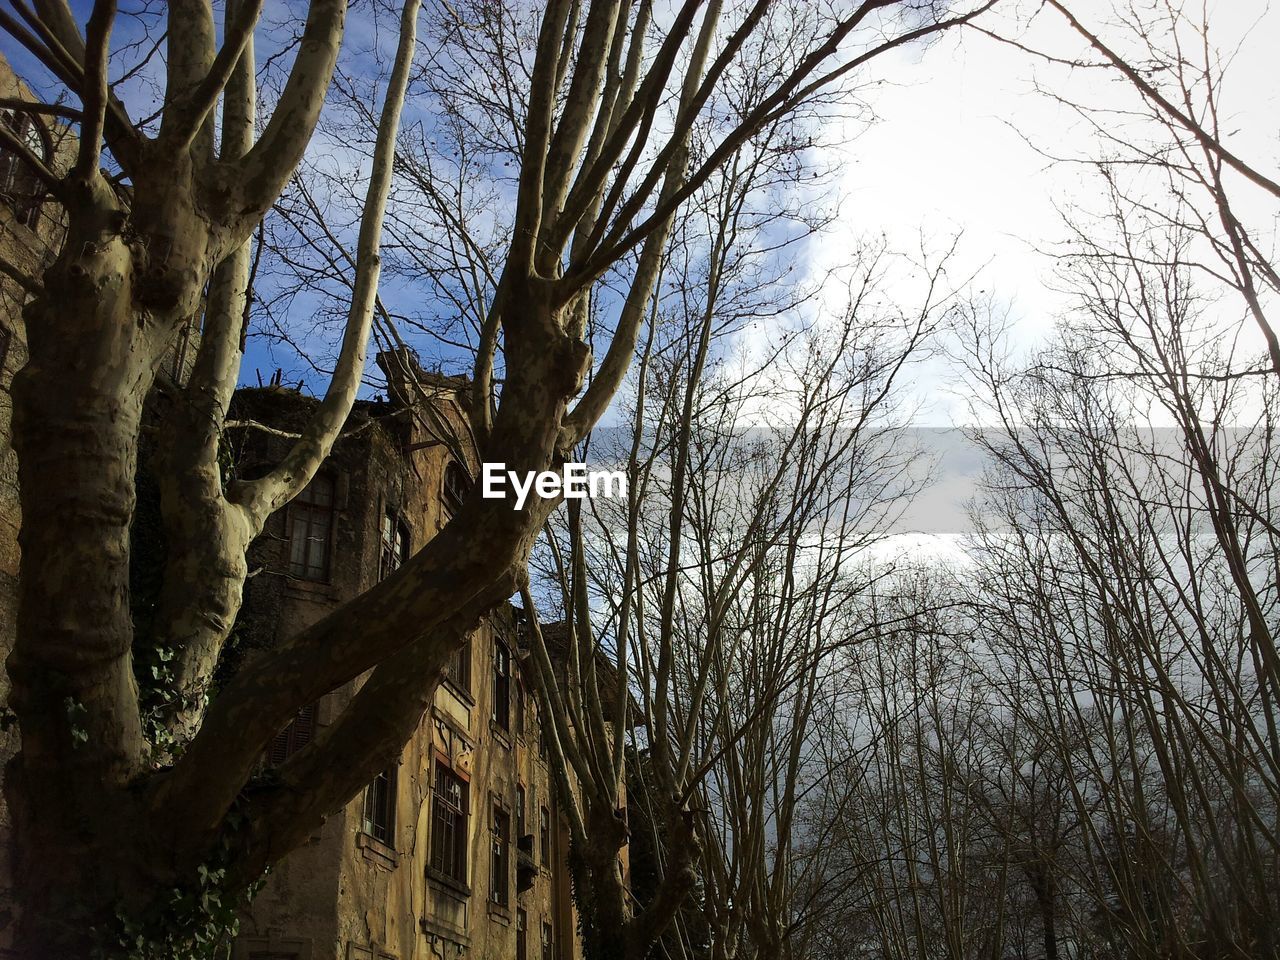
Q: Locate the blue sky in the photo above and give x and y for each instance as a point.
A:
(954, 152)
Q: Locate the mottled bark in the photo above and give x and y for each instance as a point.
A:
(78, 402)
(611, 926)
(208, 528)
(598, 887)
(133, 268)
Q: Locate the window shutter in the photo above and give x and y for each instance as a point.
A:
(293, 737)
(304, 727)
(279, 748)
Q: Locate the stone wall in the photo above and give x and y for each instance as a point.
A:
(349, 894)
(26, 242)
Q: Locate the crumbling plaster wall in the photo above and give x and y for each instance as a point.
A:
(26, 249)
(347, 895)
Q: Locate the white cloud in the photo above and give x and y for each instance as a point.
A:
(953, 153)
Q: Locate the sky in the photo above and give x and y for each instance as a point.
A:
(954, 149)
(959, 150)
(954, 153)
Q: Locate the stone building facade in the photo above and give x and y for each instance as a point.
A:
(457, 850)
(30, 231)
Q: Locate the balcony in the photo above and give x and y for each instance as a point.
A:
(526, 868)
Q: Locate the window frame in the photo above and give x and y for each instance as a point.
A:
(500, 709)
(520, 709)
(451, 863)
(459, 674)
(393, 543)
(544, 837)
(499, 854)
(317, 517)
(14, 171)
(380, 795)
(297, 734)
(455, 484)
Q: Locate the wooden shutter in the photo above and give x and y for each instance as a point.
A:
(304, 725)
(293, 737)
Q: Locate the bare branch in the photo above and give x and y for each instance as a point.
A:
(94, 93)
(1210, 143)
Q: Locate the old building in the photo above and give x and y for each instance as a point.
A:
(457, 850)
(30, 231)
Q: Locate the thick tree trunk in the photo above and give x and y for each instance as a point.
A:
(1043, 885)
(611, 930)
(601, 896)
(80, 842)
(77, 410)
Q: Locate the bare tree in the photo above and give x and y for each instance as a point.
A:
(1082, 761)
(711, 601)
(108, 821)
(1183, 130)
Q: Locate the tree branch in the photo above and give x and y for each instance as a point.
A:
(280, 486)
(783, 100)
(257, 178)
(47, 109)
(29, 284)
(93, 95)
(368, 736)
(542, 97)
(189, 114)
(1184, 120)
(61, 49)
(571, 133)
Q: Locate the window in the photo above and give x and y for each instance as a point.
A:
(500, 856)
(395, 545)
(519, 708)
(457, 484)
(501, 685)
(311, 529)
(521, 826)
(544, 835)
(380, 807)
(522, 934)
(293, 737)
(449, 824)
(547, 952)
(19, 185)
(460, 667)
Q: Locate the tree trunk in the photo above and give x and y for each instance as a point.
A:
(1043, 886)
(611, 930)
(80, 843)
(601, 896)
